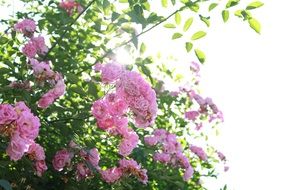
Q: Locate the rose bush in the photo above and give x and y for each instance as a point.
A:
(73, 117)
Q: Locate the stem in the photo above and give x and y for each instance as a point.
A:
(65, 31)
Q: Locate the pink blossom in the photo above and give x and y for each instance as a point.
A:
(188, 174)
(21, 107)
(99, 109)
(41, 69)
(182, 160)
(36, 152)
(128, 144)
(28, 125)
(162, 157)
(46, 100)
(70, 5)
(226, 168)
(93, 157)
(59, 89)
(82, 171)
(41, 167)
(199, 152)
(39, 43)
(111, 175)
(106, 123)
(111, 72)
(26, 26)
(30, 50)
(17, 147)
(191, 115)
(221, 156)
(151, 141)
(61, 159)
(7, 114)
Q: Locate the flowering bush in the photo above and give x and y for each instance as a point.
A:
(73, 116)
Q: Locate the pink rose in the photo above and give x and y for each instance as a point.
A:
(111, 175)
(46, 100)
(7, 114)
(191, 115)
(188, 174)
(41, 167)
(151, 141)
(17, 147)
(28, 125)
(29, 50)
(26, 26)
(36, 152)
(61, 159)
(82, 171)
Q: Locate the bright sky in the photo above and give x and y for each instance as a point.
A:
(245, 75)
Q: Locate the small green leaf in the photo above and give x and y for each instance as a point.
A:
(78, 90)
(72, 78)
(238, 13)
(188, 46)
(225, 15)
(169, 25)
(164, 3)
(176, 35)
(206, 20)
(178, 18)
(232, 3)
(200, 55)
(187, 24)
(142, 48)
(198, 35)
(255, 25)
(5, 184)
(3, 40)
(212, 6)
(254, 5)
(173, 2)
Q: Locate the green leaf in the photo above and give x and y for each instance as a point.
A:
(212, 6)
(169, 25)
(255, 25)
(142, 48)
(5, 184)
(200, 55)
(173, 2)
(176, 35)
(254, 5)
(92, 89)
(225, 15)
(78, 90)
(72, 78)
(188, 46)
(206, 20)
(3, 40)
(164, 3)
(232, 3)
(187, 24)
(178, 18)
(198, 35)
(238, 13)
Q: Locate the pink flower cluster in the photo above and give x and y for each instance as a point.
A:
(199, 152)
(131, 88)
(26, 26)
(109, 113)
(41, 70)
(70, 5)
(223, 158)
(126, 168)
(22, 127)
(206, 109)
(64, 157)
(90, 163)
(170, 151)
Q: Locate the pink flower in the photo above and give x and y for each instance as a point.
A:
(182, 160)
(151, 141)
(17, 147)
(191, 115)
(59, 89)
(111, 175)
(36, 152)
(39, 43)
(199, 152)
(82, 171)
(188, 174)
(111, 72)
(93, 157)
(41, 69)
(226, 168)
(99, 109)
(128, 144)
(29, 50)
(106, 123)
(28, 125)
(61, 159)
(70, 5)
(41, 167)
(21, 107)
(162, 157)
(46, 100)
(26, 26)
(221, 156)
(7, 114)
